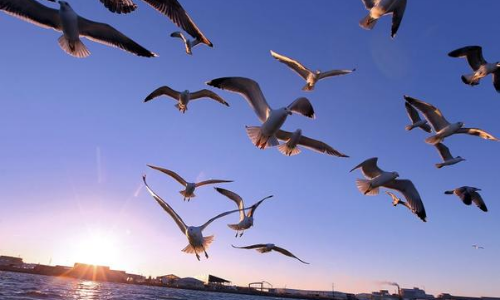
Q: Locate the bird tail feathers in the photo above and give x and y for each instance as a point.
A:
(409, 127)
(439, 166)
(259, 140)
(449, 192)
(286, 150)
(308, 87)
(184, 193)
(368, 22)
(206, 243)
(470, 79)
(76, 49)
(364, 186)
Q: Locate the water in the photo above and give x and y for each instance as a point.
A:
(28, 287)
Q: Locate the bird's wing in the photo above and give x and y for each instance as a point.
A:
(464, 195)
(251, 212)
(166, 207)
(163, 90)
(220, 216)
(444, 152)
(107, 35)
(247, 88)
(407, 188)
(478, 132)
(397, 16)
(292, 64)
(179, 34)
(211, 181)
(415, 117)
(334, 73)
(175, 12)
(234, 197)
(430, 112)
(256, 246)
(208, 94)
(474, 55)
(496, 80)
(478, 200)
(368, 4)
(288, 253)
(119, 6)
(369, 168)
(170, 173)
(33, 12)
(309, 143)
(302, 106)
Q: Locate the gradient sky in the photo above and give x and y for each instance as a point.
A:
(76, 139)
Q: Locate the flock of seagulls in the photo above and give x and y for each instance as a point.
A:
(270, 132)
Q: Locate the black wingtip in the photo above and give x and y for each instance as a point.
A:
(216, 82)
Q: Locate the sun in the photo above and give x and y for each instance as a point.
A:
(98, 249)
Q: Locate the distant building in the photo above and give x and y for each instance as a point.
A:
(96, 273)
(330, 294)
(11, 261)
(51, 270)
(445, 296)
(415, 293)
(169, 279)
(189, 282)
(134, 278)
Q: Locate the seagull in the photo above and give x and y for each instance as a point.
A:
(308, 75)
(477, 247)
(378, 178)
(415, 119)
(188, 44)
(188, 193)
(264, 248)
(246, 221)
(481, 67)
(441, 126)
(73, 27)
(396, 200)
(379, 8)
(119, 6)
(185, 97)
(293, 140)
(468, 195)
(197, 242)
(448, 159)
(272, 119)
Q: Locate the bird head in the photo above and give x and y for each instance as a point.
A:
(461, 158)
(396, 174)
(461, 124)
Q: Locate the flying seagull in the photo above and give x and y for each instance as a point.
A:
(119, 6)
(246, 221)
(477, 247)
(184, 97)
(73, 27)
(379, 8)
(416, 121)
(468, 195)
(264, 248)
(197, 242)
(441, 126)
(378, 178)
(272, 119)
(396, 200)
(188, 43)
(293, 140)
(309, 76)
(188, 193)
(481, 67)
(445, 154)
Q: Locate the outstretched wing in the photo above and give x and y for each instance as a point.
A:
(430, 112)
(478, 200)
(176, 13)
(170, 173)
(249, 89)
(220, 216)
(292, 64)
(163, 90)
(288, 253)
(397, 16)
(302, 106)
(368, 4)
(166, 207)
(211, 181)
(208, 94)
(251, 246)
(334, 73)
(33, 12)
(444, 151)
(234, 197)
(251, 212)
(478, 132)
(474, 55)
(415, 117)
(119, 6)
(369, 168)
(407, 188)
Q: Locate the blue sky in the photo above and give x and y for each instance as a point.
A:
(77, 138)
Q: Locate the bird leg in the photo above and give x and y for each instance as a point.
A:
(241, 233)
(206, 255)
(236, 234)
(197, 256)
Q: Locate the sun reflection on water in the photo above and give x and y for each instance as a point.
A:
(87, 290)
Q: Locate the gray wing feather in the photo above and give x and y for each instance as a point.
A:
(478, 200)
(302, 106)
(397, 16)
(163, 90)
(444, 151)
(369, 168)
(478, 132)
(292, 64)
(170, 173)
(430, 112)
(119, 6)
(288, 253)
(208, 94)
(474, 55)
(407, 188)
(251, 212)
(33, 12)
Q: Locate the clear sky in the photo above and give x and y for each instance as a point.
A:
(76, 139)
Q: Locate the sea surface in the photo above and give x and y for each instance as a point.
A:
(28, 286)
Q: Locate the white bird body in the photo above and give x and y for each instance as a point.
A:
(188, 43)
(450, 162)
(445, 132)
(416, 125)
(69, 20)
(290, 147)
(276, 119)
(381, 8)
(371, 186)
(189, 191)
(446, 156)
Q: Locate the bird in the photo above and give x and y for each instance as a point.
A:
(378, 178)
(441, 126)
(272, 119)
(188, 43)
(417, 122)
(197, 242)
(119, 6)
(293, 140)
(265, 248)
(309, 76)
(396, 200)
(477, 247)
(468, 195)
(448, 159)
(73, 27)
(479, 65)
(246, 221)
(379, 8)
(188, 193)
(184, 97)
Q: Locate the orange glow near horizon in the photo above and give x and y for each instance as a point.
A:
(98, 249)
